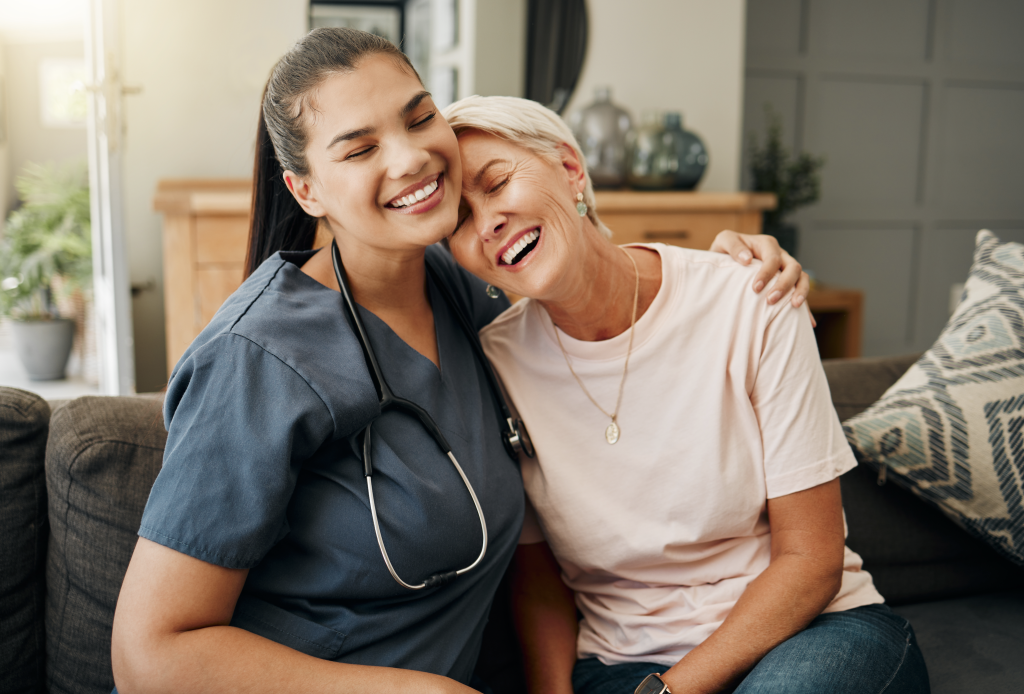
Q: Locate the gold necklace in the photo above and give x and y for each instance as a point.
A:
(611, 434)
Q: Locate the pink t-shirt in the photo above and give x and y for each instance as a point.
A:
(725, 406)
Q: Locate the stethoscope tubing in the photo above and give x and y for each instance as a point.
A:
(389, 400)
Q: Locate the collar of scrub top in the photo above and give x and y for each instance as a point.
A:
(390, 401)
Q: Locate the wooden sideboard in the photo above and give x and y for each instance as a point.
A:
(680, 218)
(206, 224)
(206, 234)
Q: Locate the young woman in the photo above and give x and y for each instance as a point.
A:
(267, 559)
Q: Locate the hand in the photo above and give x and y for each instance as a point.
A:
(744, 247)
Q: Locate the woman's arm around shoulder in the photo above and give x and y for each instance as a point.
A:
(743, 248)
(172, 634)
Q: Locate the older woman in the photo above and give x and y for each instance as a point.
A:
(688, 455)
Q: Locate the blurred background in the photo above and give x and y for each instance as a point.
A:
(909, 111)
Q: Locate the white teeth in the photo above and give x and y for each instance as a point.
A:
(420, 194)
(508, 256)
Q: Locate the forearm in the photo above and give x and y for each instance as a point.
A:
(782, 601)
(545, 618)
(228, 659)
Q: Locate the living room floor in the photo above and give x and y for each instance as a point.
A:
(13, 374)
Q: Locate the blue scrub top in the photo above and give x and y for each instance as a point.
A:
(263, 471)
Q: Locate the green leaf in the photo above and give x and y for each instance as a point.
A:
(796, 181)
(49, 235)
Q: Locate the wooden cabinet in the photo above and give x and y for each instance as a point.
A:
(680, 218)
(206, 234)
(840, 316)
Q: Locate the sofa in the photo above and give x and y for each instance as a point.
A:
(74, 478)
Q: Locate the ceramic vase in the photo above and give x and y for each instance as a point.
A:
(691, 157)
(601, 131)
(651, 155)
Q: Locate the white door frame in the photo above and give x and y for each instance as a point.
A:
(111, 285)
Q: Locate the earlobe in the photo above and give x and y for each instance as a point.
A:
(303, 194)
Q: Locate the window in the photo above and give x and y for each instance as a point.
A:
(62, 93)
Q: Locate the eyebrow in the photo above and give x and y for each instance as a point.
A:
(362, 132)
(414, 102)
(483, 170)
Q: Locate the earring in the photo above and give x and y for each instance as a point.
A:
(492, 291)
(581, 206)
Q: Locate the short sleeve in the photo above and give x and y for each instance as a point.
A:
(240, 423)
(803, 441)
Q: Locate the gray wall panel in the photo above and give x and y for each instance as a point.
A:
(945, 260)
(981, 152)
(866, 132)
(851, 258)
(782, 93)
(774, 26)
(872, 29)
(985, 32)
(919, 107)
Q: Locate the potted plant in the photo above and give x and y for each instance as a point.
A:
(45, 247)
(795, 180)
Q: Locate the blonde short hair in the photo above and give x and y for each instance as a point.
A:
(527, 124)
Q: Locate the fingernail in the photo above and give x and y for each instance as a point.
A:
(758, 286)
(744, 256)
(798, 301)
(774, 297)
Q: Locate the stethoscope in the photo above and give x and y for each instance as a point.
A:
(514, 435)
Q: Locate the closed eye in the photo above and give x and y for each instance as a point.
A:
(361, 152)
(499, 185)
(426, 119)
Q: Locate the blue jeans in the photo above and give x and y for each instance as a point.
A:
(866, 650)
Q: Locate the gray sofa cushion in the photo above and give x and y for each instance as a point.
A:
(972, 644)
(101, 459)
(24, 419)
(913, 552)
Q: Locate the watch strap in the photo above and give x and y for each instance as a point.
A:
(653, 684)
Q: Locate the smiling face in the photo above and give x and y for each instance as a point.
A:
(385, 168)
(518, 223)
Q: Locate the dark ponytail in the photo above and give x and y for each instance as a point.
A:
(278, 223)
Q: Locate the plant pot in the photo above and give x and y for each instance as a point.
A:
(787, 235)
(44, 346)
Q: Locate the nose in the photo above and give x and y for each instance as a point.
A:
(491, 224)
(405, 157)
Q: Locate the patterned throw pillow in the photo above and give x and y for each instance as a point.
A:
(952, 428)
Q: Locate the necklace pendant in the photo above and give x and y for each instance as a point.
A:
(611, 434)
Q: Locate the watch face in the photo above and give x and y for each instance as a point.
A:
(652, 684)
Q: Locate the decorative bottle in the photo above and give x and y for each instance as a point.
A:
(691, 157)
(652, 154)
(601, 130)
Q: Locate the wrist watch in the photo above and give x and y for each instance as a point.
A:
(653, 684)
